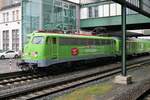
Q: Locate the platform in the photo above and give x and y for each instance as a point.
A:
(7, 66)
(107, 90)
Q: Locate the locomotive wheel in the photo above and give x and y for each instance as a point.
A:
(24, 68)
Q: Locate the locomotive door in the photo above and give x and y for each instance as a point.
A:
(54, 48)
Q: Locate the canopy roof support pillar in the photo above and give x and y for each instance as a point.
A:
(123, 78)
(123, 16)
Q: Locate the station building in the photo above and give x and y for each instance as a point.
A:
(66, 15)
(49, 14)
(10, 25)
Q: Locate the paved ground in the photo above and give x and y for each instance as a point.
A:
(6, 67)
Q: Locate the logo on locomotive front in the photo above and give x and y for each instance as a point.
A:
(74, 51)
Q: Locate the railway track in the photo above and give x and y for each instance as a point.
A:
(65, 85)
(61, 82)
(145, 96)
(12, 80)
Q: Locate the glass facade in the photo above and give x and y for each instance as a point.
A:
(59, 15)
(47, 15)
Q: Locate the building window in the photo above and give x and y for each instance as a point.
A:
(4, 20)
(15, 39)
(113, 9)
(106, 10)
(84, 13)
(90, 12)
(13, 15)
(93, 12)
(17, 14)
(96, 11)
(100, 10)
(118, 9)
(7, 17)
(6, 40)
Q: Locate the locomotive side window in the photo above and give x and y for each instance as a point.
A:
(54, 41)
(74, 41)
(106, 42)
(68, 41)
(97, 42)
(63, 41)
(48, 40)
(38, 40)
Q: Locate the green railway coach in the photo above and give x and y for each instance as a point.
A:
(45, 49)
(138, 46)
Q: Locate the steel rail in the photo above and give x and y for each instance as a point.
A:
(8, 80)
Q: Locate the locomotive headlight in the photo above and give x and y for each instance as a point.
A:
(34, 54)
(25, 54)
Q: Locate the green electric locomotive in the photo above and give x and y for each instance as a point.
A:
(45, 49)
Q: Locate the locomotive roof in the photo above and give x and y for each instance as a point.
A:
(73, 35)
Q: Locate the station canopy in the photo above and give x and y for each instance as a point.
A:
(141, 6)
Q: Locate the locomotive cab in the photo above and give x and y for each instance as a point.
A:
(34, 54)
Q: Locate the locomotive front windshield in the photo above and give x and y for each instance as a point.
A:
(38, 40)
